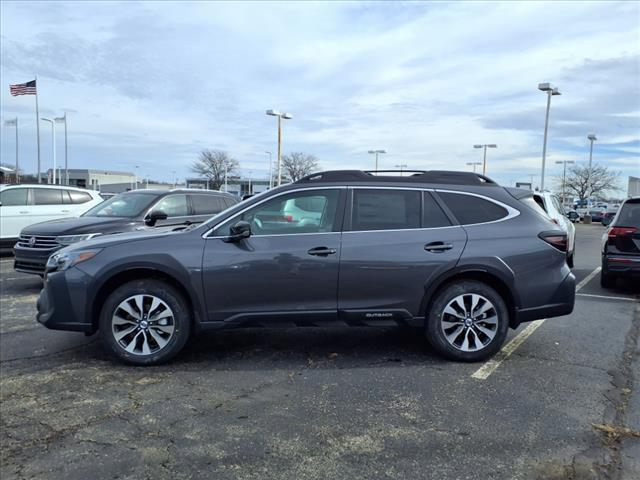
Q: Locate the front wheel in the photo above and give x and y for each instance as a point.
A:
(145, 322)
(468, 321)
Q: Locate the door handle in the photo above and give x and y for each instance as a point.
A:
(322, 251)
(436, 247)
(66, 211)
(24, 212)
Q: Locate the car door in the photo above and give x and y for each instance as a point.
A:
(287, 270)
(176, 206)
(48, 204)
(14, 212)
(395, 241)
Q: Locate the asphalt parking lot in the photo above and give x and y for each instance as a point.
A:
(559, 402)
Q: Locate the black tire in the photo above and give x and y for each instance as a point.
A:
(607, 280)
(180, 321)
(570, 259)
(434, 330)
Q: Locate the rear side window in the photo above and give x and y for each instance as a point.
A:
(470, 209)
(432, 215)
(79, 197)
(629, 216)
(47, 196)
(228, 202)
(385, 209)
(207, 204)
(14, 197)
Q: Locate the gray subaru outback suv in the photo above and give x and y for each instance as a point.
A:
(450, 252)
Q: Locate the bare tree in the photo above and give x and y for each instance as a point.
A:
(211, 165)
(585, 184)
(296, 165)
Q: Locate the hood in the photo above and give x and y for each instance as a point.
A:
(82, 225)
(139, 234)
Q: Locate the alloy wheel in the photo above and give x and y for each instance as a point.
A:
(143, 324)
(469, 322)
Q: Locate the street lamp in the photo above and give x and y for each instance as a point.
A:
(550, 90)
(14, 123)
(53, 134)
(270, 170)
(376, 152)
(484, 160)
(474, 165)
(401, 166)
(63, 119)
(280, 115)
(564, 175)
(592, 138)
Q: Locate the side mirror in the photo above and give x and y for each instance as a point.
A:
(154, 216)
(239, 231)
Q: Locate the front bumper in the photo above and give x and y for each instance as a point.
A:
(62, 302)
(560, 303)
(32, 260)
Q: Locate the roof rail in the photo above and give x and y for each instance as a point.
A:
(418, 176)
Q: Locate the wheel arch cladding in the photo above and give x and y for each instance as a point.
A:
(482, 275)
(140, 273)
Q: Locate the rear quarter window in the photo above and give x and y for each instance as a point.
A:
(469, 209)
(79, 197)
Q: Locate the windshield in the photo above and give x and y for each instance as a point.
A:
(124, 205)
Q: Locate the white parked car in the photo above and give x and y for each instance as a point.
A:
(24, 205)
(551, 204)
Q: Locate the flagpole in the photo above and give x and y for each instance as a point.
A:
(17, 165)
(38, 130)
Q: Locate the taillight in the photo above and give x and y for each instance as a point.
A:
(620, 231)
(555, 239)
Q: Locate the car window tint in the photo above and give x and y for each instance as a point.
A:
(535, 203)
(432, 215)
(14, 197)
(207, 204)
(629, 216)
(79, 197)
(378, 209)
(300, 212)
(471, 209)
(538, 199)
(174, 206)
(47, 196)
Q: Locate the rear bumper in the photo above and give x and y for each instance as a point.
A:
(621, 265)
(561, 303)
(31, 260)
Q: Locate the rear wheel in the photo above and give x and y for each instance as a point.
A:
(468, 321)
(570, 259)
(145, 322)
(607, 280)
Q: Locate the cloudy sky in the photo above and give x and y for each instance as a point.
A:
(153, 83)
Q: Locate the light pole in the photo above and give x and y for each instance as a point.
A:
(280, 115)
(270, 170)
(63, 119)
(14, 123)
(550, 90)
(174, 179)
(592, 138)
(474, 165)
(564, 176)
(376, 152)
(53, 134)
(484, 159)
(401, 166)
(137, 166)
(226, 186)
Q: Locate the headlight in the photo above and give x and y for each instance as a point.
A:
(69, 239)
(64, 260)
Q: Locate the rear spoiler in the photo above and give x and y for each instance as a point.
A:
(519, 193)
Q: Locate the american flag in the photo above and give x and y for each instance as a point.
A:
(28, 88)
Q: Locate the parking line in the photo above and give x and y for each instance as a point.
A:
(490, 365)
(606, 297)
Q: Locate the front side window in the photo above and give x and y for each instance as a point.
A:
(313, 211)
(378, 209)
(127, 205)
(174, 206)
(47, 196)
(469, 209)
(14, 197)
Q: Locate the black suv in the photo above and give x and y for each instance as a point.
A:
(453, 253)
(126, 212)
(621, 245)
